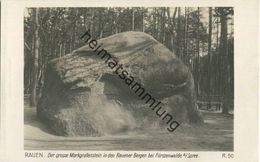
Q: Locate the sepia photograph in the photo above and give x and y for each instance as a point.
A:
(129, 78)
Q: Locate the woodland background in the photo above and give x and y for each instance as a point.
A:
(203, 38)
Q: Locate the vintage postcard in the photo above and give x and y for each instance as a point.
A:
(88, 80)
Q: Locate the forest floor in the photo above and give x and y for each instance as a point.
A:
(216, 134)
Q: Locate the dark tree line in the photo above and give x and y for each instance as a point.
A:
(201, 37)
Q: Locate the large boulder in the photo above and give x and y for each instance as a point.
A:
(83, 96)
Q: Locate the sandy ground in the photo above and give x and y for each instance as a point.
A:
(215, 135)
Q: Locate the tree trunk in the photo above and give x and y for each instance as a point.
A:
(33, 99)
(60, 51)
(186, 36)
(133, 19)
(75, 29)
(217, 74)
(173, 29)
(64, 48)
(154, 23)
(209, 54)
(163, 25)
(196, 77)
(223, 52)
(178, 49)
(143, 16)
